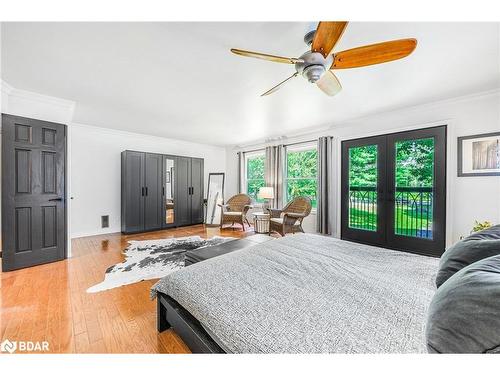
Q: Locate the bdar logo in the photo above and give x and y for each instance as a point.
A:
(8, 346)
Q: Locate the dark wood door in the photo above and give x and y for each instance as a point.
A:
(133, 191)
(153, 187)
(394, 190)
(196, 191)
(33, 192)
(182, 191)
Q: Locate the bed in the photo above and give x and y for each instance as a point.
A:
(301, 294)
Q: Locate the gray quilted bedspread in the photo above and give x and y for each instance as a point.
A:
(309, 294)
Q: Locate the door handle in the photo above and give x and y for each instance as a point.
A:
(163, 190)
(55, 200)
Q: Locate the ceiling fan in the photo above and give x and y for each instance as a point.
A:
(317, 65)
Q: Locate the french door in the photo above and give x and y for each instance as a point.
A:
(394, 190)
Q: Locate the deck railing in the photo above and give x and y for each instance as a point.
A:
(412, 210)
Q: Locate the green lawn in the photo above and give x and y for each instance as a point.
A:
(407, 220)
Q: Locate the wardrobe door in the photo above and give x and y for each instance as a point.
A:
(196, 191)
(153, 192)
(132, 191)
(182, 191)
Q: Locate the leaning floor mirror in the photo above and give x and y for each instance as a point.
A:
(215, 196)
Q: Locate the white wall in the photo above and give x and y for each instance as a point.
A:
(96, 173)
(469, 198)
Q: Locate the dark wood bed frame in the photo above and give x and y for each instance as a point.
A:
(170, 314)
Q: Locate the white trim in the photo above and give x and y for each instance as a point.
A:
(450, 168)
(46, 99)
(302, 146)
(5, 87)
(110, 131)
(324, 130)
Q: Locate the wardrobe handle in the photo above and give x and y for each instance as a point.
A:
(146, 191)
(163, 190)
(192, 190)
(142, 191)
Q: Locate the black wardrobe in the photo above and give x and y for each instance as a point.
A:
(160, 191)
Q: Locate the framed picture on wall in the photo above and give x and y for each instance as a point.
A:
(479, 155)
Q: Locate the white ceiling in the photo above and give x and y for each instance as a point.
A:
(179, 80)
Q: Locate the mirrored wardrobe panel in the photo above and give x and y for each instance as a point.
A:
(169, 184)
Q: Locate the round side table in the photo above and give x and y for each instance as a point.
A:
(261, 222)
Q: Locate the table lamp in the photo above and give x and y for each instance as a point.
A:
(266, 193)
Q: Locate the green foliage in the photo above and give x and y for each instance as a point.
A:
(415, 163)
(255, 176)
(255, 167)
(414, 168)
(479, 226)
(301, 175)
(363, 166)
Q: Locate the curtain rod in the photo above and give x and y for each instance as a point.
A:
(285, 144)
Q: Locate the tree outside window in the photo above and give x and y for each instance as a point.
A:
(255, 175)
(302, 174)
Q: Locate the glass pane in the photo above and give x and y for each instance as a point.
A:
(253, 187)
(304, 187)
(255, 167)
(414, 188)
(301, 172)
(169, 191)
(255, 176)
(302, 163)
(363, 187)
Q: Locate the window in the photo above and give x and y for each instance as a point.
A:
(301, 177)
(254, 174)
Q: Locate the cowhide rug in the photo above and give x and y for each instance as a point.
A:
(152, 259)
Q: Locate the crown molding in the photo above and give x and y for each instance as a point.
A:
(326, 129)
(45, 99)
(296, 136)
(147, 137)
(5, 87)
(422, 106)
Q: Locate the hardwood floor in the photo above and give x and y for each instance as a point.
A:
(50, 302)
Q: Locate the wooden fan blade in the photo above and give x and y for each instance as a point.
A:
(278, 86)
(374, 54)
(326, 36)
(329, 84)
(264, 56)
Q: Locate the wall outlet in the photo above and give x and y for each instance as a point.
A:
(105, 221)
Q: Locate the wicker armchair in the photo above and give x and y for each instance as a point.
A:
(289, 219)
(235, 210)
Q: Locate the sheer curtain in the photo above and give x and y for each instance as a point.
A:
(275, 159)
(326, 192)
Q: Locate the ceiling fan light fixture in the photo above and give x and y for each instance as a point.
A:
(313, 72)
